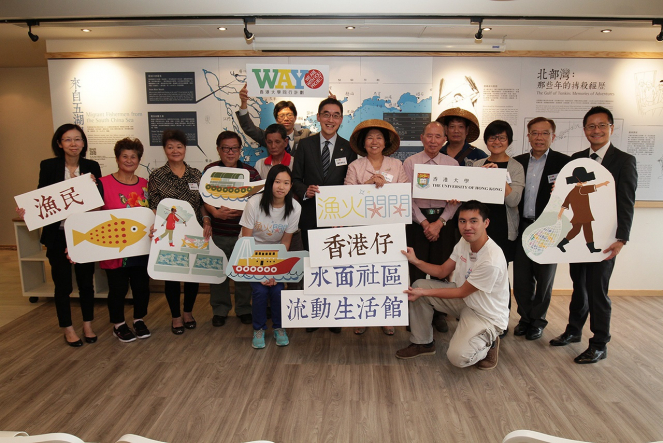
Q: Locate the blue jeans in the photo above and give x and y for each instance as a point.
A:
(260, 294)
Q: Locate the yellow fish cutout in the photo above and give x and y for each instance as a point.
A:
(115, 233)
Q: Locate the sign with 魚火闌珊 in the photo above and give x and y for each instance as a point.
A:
(287, 81)
(363, 205)
(357, 245)
(299, 310)
(441, 182)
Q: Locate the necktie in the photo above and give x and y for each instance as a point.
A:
(287, 146)
(594, 156)
(325, 159)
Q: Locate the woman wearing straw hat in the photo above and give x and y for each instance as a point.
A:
(375, 140)
(462, 128)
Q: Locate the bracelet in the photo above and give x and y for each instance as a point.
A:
(207, 216)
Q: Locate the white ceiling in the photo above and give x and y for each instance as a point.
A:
(390, 24)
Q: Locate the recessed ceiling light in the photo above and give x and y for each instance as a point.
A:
(86, 30)
(487, 29)
(221, 28)
(350, 27)
(605, 31)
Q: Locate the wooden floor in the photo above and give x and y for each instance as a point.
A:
(209, 385)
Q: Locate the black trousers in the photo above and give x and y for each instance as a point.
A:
(61, 273)
(173, 292)
(532, 284)
(119, 280)
(436, 252)
(590, 297)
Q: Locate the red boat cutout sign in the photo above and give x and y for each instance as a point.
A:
(251, 262)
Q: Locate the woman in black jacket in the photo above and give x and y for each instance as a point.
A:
(69, 145)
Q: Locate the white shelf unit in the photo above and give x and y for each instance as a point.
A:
(32, 265)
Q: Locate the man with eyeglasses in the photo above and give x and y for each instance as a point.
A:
(225, 232)
(533, 282)
(591, 280)
(321, 160)
(285, 114)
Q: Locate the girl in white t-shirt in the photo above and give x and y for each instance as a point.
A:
(270, 218)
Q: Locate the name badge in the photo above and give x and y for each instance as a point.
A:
(508, 178)
(341, 161)
(193, 186)
(552, 178)
(388, 177)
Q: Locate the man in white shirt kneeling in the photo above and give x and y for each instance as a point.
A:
(478, 295)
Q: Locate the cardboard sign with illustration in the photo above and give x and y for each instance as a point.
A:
(229, 187)
(256, 263)
(179, 251)
(106, 235)
(58, 201)
(580, 220)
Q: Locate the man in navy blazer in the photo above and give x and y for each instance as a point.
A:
(308, 170)
(533, 282)
(591, 280)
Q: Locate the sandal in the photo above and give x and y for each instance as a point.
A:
(388, 330)
(359, 331)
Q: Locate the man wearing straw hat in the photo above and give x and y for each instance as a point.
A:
(462, 128)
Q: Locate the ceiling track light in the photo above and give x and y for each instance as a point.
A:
(31, 23)
(248, 35)
(478, 37)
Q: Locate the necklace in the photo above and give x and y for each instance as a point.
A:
(131, 180)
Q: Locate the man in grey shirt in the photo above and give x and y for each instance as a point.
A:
(533, 282)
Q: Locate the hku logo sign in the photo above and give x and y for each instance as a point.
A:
(287, 80)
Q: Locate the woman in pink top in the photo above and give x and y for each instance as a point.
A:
(375, 140)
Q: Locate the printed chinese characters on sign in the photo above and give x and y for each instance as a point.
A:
(364, 205)
(56, 202)
(359, 279)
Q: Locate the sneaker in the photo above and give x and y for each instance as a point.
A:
(490, 362)
(124, 333)
(141, 330)
(258, 339)
(415, 350)
(281, 337)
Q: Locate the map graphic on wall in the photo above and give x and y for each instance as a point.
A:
(580, 220)
(179, 251)
(106, 235)
(229, 187)
(255, 263)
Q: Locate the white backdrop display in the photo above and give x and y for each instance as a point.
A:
(582, 209)
(179, 251)
(106, 235)
(58, 201)
(256, 263)
(357, 245)
(303, 311)
(116, 98)
(363, 205)
(229, 187)
(451, 183)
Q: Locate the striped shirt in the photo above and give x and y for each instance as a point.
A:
(164, 184)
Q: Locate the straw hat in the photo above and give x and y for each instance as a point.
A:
(473, 134)
(375, 123)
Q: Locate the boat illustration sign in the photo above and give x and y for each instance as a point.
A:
(229, 187)
(254, 263)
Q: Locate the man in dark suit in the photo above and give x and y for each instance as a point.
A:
(533, 282)
(591, 280)
(285, 113)
(321, 160)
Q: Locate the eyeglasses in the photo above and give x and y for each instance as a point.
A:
(601, 126)
(335, 116)
(501, 138)
(286, 115)
(536, 134)
(228, 149)
(71, 140)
